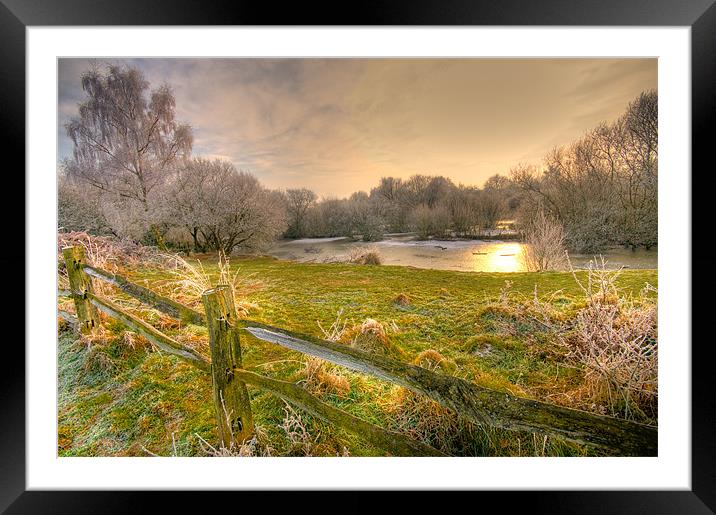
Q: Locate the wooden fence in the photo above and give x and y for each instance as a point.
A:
(233, 411)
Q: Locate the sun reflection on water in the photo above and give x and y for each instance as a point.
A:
(505, 257)
(460, 255)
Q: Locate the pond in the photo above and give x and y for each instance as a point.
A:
(462, 255)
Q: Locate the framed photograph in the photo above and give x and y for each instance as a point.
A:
(413, 250)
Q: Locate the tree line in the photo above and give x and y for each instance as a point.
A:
(603, 187)
(132, 174)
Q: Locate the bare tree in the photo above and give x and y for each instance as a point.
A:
(126, 138)
(427, 221)
(602, 187)
(335, 217)
(437, 190)
(413, 191)
(389, 200)
(462, 206)
(490, 208)
(508, 193)
(639, 177)
(298, 202)
(421, 221)
(223, 209)
(364, 217)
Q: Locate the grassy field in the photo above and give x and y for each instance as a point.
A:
(119, 398)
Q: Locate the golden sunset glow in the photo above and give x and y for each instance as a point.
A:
(337, 125)
(507, 257)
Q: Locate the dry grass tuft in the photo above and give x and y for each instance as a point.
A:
(97, 357)
(320, 377)
(433, 360)
(135, 341)
(502, 318)
(110, 253)
(166, 323)
(365, 256)
(425, 420)
(371, 336)
(195, 338)
(63, 325)
(106, 349)
(484, 345)
(523, 317)
(402, 300)
(98, 336)
(321, 380)
(374, 328)
(192, 280)
(98, 361)
(302, 442)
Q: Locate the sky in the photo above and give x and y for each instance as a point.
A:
(338, 125)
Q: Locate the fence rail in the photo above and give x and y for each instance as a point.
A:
(476, 403)
(155, 336)
(159, 302)
(381, 438)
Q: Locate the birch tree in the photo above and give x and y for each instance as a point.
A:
(126, 138)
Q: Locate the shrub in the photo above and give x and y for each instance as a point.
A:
(615, 339)
(609, 341)
(79, 208)
(545, 247)
(617, 345)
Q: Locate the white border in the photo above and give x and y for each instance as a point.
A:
(671, 470)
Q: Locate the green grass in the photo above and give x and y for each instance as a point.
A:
(119, 401)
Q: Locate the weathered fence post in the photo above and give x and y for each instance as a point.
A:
(80, 286)
(231, 399)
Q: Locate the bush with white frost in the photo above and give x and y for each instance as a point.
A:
(545, 244)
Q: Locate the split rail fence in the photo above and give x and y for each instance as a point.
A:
(231, 400)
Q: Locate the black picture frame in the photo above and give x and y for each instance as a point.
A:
(700, 15)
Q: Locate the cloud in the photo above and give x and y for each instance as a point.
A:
(338, 125)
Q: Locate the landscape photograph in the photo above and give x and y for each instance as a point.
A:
(357, 257)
